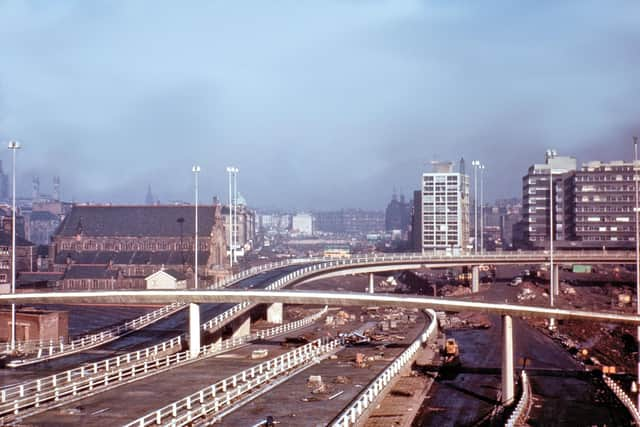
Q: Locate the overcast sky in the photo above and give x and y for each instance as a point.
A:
(320, 104)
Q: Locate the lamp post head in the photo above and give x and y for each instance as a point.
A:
(13, 145)
(475, 163)
(195, 169)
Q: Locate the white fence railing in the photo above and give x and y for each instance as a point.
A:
(50, 348)
(623, 397)
(359, 405)
(123, 369)
(211, 400)
(38, 351)
(521, 411)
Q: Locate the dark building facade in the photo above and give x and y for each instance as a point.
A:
(398, 214)
(349, 221)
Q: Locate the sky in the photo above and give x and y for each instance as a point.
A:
(321, 105)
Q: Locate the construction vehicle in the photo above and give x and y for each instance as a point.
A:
(450, 353)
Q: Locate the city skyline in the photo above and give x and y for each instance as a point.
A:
(349, 99)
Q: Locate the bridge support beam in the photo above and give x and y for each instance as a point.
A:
(475, 278)
(241, 326)
(508, 376)
(275, 313)
(556, 279)
(194, 330)
(371, 284)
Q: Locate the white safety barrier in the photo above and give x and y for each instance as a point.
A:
(359, 405)
(521, 411)
(622, 396)
(38, 351)
(123, 369)
(213, 399)
(49, 348)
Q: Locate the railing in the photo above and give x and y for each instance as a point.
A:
(521, 411)
(622, 396)
(46, 350)
(94, 340)
(124, 369)
(369, 395)
(211, 400)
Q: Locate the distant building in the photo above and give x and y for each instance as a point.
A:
(349, 221)
(397, 214)
(149, 199)
(604, 202)
(4, 184)
(445, 209)
(26, 256)
(536, 200)
(42, 225)
(121, 245)
(302, 224)
(166, 279)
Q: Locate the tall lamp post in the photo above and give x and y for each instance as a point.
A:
(475, 164)
(552, 322)
(481, 208)
(14, 146)
(637, 210)
(235, 213)
(196, 170)
(231, 170)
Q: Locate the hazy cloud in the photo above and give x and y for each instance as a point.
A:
(321, 105)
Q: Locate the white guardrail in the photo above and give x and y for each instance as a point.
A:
(521, 411)
(622, 396)
(359, 405)
(46, 350)
(123, 369)
(54, 349)
(211, 400)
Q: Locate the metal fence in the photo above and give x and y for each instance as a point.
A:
(622, 396)
(123, 369)
(521, 411)
(359, 405)
(38, 351)
(213, 399)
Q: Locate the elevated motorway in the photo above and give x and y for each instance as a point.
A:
(312, 297)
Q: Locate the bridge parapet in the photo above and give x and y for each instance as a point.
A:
(368, 396)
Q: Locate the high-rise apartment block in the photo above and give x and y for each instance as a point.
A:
(445, 208)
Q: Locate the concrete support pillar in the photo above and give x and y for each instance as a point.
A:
(241, 326)
(274, 313)
(475, 278)
(371, 283)
(556, 279)
(194, 330)
(508, 389)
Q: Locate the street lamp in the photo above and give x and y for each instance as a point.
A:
(14, 146)
(550, 155)
(475, 164)
(635, 179)
(232, 171)
(196, 170)
(481, 167)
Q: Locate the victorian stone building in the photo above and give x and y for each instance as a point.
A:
(121, 245)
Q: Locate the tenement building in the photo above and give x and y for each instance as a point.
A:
(444, 209)
(118, 246)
